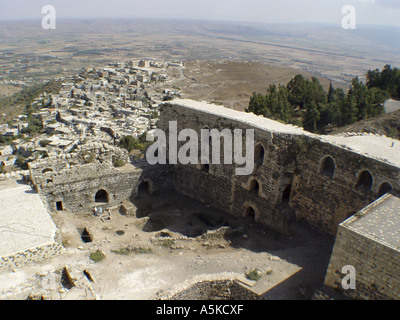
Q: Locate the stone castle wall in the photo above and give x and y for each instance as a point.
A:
(36, 254)
(325, 201)
(76, 188)
(375, 259)
(220, 286)
(216, 290)
(376, 265)
(292, 158)
(290, 184)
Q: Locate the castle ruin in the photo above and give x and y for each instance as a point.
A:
(322, 180)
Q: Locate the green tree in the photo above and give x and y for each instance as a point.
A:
(330, 114)
(130, 143)
(388, 79)
(283, 110)
(315, 92)
(257, 104)
(331, 93)
(297, 90)
(349, 110)
(374, 79)
(311, 117)
(362, 99)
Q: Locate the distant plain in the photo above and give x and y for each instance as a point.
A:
(275, 52)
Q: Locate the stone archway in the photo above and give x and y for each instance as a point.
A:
(384, 188)
(286, 194)
(251, 211)
(328, 167)
(365, 180)
(101, 196)
(254, 186)
(144, 188)
(259, 154)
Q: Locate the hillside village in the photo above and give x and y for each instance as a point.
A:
(92, 111)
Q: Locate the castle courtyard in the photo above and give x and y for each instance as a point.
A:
(165, 243)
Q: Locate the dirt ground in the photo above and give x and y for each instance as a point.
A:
(7, 90)
(170, 239)
(232, 82)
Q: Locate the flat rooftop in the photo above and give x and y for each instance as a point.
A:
(379, 221)
(380, 148)
(24, 220)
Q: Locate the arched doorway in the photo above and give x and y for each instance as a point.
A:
(250, 212)
(144, 188)
(101, 196)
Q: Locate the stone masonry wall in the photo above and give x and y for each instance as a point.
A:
(36, 254)
(76, 187)
(290, 160)
(220, 286)
(376, 265)
(216, 290)
(325, 201)
(220, 186)
(289, 178)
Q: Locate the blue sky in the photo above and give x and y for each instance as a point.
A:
(377, 12)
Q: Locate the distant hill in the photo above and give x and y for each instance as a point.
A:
(16, 103)
(387, 124)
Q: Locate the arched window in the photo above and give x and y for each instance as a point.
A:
(259, 153)
(254, 186)
(384, 188)
(328, 167)
(47, 170)
(364, 180)
(101, 196)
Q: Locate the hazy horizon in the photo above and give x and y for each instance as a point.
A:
(368, 12)
(149, 19)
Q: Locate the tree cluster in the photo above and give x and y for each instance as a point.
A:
(305, 103)
(131, 143)
(388, 80)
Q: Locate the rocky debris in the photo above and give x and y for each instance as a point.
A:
(274, 258)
